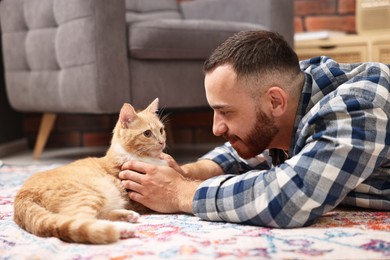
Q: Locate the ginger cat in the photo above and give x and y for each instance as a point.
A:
(84, 201)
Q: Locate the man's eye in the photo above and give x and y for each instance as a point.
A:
(148, 133)
(224, 113)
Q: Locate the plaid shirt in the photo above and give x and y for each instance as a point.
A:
(339, 154)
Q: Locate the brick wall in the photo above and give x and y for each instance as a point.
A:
(188, 127)
(314, 15)
(71, 130)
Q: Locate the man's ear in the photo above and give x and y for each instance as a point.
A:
(278, 99)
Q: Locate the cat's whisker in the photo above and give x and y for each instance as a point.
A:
(166, 118)
(161, 111)
(166, 149)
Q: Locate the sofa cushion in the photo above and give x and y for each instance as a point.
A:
(151, 6)
(167, 39)
(139, 10)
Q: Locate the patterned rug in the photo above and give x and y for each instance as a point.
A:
(340, 234)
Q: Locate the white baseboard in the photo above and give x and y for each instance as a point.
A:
(13, 147)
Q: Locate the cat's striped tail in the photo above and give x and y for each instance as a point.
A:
(37, 220)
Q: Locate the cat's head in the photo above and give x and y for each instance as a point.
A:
(141, 134)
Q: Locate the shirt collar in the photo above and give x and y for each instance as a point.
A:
(303, 107)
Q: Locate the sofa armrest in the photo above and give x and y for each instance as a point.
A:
(65, 55)
(277, 15)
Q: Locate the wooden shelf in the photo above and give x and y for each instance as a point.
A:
(348, 49)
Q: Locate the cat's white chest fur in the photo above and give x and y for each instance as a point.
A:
(123, 156)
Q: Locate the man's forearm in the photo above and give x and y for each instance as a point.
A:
(202, 170)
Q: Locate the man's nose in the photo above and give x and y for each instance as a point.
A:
(219, 127)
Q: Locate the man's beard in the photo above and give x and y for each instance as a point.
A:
(258, 138)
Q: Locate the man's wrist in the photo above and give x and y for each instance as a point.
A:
(187, 193)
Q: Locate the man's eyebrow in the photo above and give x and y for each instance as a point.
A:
(219, 107)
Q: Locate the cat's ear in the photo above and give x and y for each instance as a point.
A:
(153, 107)
(127, 115)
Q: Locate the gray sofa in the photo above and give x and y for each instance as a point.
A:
(91, 56)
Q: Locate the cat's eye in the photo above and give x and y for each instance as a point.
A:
(161, 130)
(148, 133)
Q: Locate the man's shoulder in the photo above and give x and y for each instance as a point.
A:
(328, 65)
(325, 71)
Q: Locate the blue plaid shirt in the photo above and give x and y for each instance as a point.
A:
(339, 154)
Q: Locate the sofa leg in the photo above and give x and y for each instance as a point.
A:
(45, 128)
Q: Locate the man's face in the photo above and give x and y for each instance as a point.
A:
(237, 116)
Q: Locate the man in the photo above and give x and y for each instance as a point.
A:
(332, 121)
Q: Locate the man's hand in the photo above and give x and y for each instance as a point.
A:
(160, 188)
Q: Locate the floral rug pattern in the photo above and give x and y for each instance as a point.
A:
(340, 234)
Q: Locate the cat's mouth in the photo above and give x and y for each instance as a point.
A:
(159, 149)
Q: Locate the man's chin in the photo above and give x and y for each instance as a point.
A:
(243, 152)
(246, 155)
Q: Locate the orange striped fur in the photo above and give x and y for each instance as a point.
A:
(84, 201)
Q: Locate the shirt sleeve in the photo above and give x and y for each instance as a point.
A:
(344, 138)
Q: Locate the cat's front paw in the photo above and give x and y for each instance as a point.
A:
(132, 216)
(122, 215)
